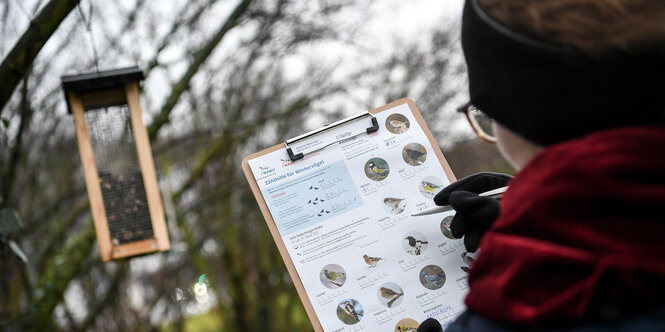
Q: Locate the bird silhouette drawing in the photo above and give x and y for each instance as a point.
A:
(372, 261)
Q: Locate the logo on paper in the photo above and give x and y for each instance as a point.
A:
(266, 170)
(286, 162)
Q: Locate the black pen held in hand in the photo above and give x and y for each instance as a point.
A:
(495, 193)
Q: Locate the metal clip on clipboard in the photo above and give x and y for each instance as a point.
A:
(294, 157)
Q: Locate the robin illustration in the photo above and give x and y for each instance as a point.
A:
(372, 261)
(391, 295)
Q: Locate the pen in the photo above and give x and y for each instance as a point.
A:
(496, 193)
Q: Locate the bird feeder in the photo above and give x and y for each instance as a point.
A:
(117, 162)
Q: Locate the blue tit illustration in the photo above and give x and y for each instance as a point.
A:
(429, 187)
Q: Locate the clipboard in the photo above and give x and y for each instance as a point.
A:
(298, 153)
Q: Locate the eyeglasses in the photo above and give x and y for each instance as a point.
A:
(480, 122)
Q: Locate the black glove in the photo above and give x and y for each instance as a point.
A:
(475, 214)
(430, 325)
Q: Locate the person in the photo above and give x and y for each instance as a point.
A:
(575, 92)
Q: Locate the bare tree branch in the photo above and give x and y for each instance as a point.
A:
(20, 58)
(199, 58)
(9, 172)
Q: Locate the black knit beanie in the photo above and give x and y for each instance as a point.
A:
(550, 93)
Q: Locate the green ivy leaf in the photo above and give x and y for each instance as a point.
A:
(5, 122)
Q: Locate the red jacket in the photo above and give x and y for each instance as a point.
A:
(581, 234)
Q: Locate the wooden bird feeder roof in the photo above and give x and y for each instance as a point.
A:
(100, 81)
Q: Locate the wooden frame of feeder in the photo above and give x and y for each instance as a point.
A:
(104, 89)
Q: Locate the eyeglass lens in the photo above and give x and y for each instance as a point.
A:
(481, 121)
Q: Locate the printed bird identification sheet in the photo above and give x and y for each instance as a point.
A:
(344, 215)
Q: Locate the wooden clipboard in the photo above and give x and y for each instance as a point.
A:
(271, 222)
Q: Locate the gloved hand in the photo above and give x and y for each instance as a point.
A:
(475, 214)
(430, 325)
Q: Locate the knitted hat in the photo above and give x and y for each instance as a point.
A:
(550, 93)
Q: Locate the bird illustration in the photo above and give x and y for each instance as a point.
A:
(322, 212)
(315, 201)
(429, 187)
(404, 328)
(445, 227)
(446, 222)
(399, 126)
(372, 261)
(468, 260)
(397, 205)
(415, 155)
(376, 168)
(436, 279)
(413, 242)
(349, 310)
(332, 275)
(390, 294)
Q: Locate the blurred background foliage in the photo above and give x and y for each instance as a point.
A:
(223, 79)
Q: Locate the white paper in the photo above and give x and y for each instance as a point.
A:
(331, 210)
